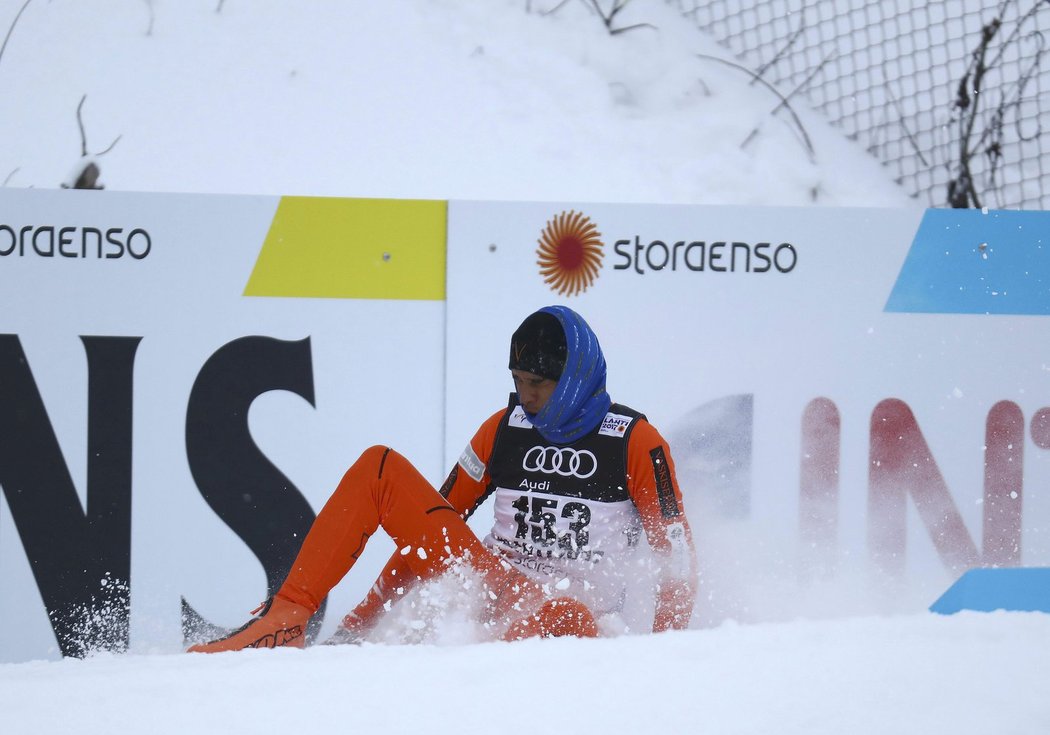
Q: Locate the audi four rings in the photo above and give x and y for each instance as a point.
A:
(563, 461)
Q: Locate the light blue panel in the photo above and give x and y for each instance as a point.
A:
(984, 590)
(965, 261)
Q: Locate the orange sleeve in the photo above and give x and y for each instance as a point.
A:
(465, 489)
(467, 484)
(653, 486)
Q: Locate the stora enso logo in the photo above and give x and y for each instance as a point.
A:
(570, 253)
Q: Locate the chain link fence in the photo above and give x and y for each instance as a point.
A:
(949, 94)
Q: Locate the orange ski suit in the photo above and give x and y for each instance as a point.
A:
(383, 489)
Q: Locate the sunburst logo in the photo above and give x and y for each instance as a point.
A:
(570, 253)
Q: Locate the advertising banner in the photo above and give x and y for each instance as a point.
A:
(183, 381)
(858, 400)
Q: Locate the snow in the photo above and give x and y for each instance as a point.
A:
(968, 673)
(407, 98)
(482, 100)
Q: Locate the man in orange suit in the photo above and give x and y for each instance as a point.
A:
(577, 480)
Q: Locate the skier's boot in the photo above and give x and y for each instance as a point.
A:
(279, 622)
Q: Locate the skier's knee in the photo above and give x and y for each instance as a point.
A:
(563, 616)
(372, 461)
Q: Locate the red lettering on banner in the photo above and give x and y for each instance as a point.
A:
(1003, 484)
(819, 483)
(900, 464)
(1041, 428)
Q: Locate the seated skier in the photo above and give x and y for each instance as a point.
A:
(577, 480)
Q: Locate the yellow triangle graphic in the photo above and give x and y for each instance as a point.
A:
(353, 249)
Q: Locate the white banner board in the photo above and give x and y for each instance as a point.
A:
(140, 453)
(858, 401)
(852, 427)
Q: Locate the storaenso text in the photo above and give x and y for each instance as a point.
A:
(47, 241)
(698, 255)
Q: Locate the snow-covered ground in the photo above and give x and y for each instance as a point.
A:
(968, 673)
(458, 99)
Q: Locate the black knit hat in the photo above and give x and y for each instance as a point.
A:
(538, 346)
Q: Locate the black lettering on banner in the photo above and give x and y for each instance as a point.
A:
(695, 244)
(5, 233)
(81, 560)
(776, 257)
(715, 254)
(84, 241)
(747, 256)
(50, 232)
(75, 242)
(65, 238)
(721, 256)
(761, 255)
(674, 253)
(111, 238)
(244, 488)
(664, 485)
(616, 249)
(637, 254)
(664, 259)
(144, 248)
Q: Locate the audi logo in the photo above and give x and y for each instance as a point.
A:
(560, 461)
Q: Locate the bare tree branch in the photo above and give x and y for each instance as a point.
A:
(555, 9)
(787, 46)
(610, 16)
(152, 17)
(111, 146)
(89, 174)
(11, 30)
(801, 85)
(80, 124)
(83, 135)
(784, 101)
(981, 114)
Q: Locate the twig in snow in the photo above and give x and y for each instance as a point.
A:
(555, 9)
(87, 178)
(798, 123)
(787, 46)
(83, 135)
(80, 124)
(11, 29)
(609, 17)
(152, 16)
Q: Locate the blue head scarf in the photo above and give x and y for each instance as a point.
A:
(580, 401)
